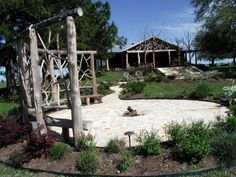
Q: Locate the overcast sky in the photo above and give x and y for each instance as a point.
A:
(169, 18)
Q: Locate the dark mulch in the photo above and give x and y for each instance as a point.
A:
(153, 165)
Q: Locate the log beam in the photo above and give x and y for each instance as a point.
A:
(76, 112)
(47, 22)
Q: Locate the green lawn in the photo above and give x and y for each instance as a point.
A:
(110, 76)
(9, 171)
(174, 89)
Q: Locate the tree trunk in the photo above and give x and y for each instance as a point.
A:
(234, 61)
(212, 61)
(10, 76)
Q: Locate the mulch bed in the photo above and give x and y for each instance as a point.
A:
(142, 166)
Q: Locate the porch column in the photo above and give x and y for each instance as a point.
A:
(108, 68)
(154, 59)
(169, 56)
(139, 62)
(127, 61)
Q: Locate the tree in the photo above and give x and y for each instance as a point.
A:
(217, 37)
(94, 31)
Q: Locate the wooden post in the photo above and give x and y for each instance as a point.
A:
(76, 112)
(35, 70)
(108, 68)
(154, 59)
(23, 86)
(127, 61)
(52, 75)
(169, 56)
(139, 62)
(195, 53)
(93, 74)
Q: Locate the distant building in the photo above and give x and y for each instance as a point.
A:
(152, 52)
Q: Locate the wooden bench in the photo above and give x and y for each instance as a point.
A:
(87, 98)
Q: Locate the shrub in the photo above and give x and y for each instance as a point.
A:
(104, 88)
(115, 146)
(10, 131)
(126, 161)
(87, 162)
(134, 87)
(223, 145)
(176, 131)
(39, 145)
(154, 77)
(192, 142)
(233, 108)
(201, 91)
(85, 142)
(230, 125)
(58, 151)
(148, 144)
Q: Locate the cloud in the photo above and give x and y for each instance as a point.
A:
(191, 27)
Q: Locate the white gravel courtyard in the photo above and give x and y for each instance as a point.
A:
(108, 122)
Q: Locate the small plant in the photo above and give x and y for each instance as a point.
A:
(115, 146)
(148, 143)
(126, 161)
(18, 158)
(135, 87)
(58, 151)
(39, 145)
(223, 146)
(192, 142)
(10, 131)
(87, 162)
(201, 91)
(85, 142)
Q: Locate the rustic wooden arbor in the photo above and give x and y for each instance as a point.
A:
(42, 73)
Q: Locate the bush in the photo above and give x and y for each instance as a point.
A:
(115, 146)
(223, 146)
(201, 91)
(148, 144)
(126, 161)
(192, 142)
(230, 125)
(154, 77)
(134, 87)
(39, 145)
(87, 162)
(85, 142)
(10, 131)
(233, 108)
(104, 88)
(58, 151)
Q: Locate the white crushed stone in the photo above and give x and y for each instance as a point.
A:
(107, 120)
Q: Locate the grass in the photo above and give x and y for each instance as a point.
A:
(177, 88)
(13, 172)
(9, 171)
(7, 107)
(110, 76)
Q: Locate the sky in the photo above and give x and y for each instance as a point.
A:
(166, 18)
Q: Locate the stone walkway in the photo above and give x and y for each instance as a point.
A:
(155, 114)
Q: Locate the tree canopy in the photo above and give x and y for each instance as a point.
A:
(95, 31)
(217, 37)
